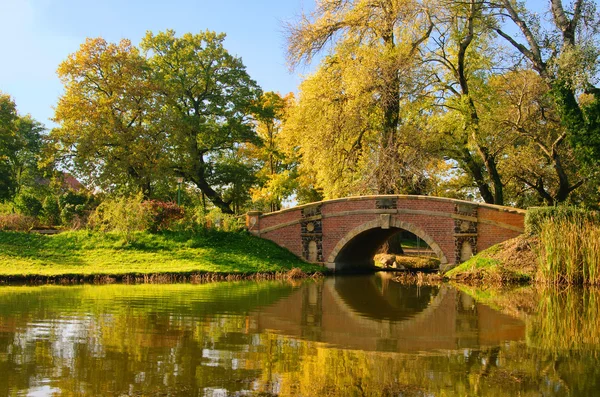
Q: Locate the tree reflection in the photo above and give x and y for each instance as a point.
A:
(278, 339)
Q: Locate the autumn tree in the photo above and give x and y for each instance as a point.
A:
(208, 98)
(276, 168)
(540, 159)
(373, 47)
(565, 54)
(459, 59)
(107, 117)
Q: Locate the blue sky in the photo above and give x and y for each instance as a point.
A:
(36, 35)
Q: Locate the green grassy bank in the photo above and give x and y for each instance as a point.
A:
(513, 261)
(91, 254)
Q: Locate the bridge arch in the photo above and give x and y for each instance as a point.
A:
(352, 252)
(332, 231)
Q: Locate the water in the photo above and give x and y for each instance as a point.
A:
(345, 336)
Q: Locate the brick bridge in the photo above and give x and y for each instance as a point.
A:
(346, 233)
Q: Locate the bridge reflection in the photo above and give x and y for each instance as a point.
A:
(382, 315)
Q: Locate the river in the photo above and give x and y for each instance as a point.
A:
(342, 336)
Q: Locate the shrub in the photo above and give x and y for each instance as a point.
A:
(17, 222)
(28, 205)
(67, 214)
(536, 216)
(217, 220)
(162, 215)
(124, 215)
(51, 211)
(73, 198)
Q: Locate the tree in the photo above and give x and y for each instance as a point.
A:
(460, 58)
(541, 159)
(276, 168)
(374, 50)
(8, 144)
(108, 118)
(565, 54)
(208, 97)
(20, 149)
(26, 159)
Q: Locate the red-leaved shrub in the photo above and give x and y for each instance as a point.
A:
(162, 214)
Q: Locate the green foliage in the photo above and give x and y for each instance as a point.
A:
(207, 122)
(28, 204)
(74, 198)
(226, 222)
(20, 149)
(108, 113)
(8, 145)
(51, 211)
(123, 215)
(8, 185)
(67, 214)
(537, 216)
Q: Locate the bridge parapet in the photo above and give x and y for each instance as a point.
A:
(347, 232)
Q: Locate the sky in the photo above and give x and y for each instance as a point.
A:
(37, 35)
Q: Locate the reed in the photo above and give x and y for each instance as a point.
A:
(569, 252)
(567, 318)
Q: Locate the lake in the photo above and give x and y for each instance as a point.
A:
(338, 336)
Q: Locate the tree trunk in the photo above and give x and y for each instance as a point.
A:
(393, 245)
(212, 195)
(475, 170)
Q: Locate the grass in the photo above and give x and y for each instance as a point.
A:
(477, 264)
(493, 265)
(569, 252)
(84, 253)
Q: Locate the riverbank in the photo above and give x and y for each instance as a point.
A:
(514, 261)
(85, 256)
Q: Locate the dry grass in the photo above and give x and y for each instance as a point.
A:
(409, 262)
(419, 278)
(17, 222)
(162, 278)
(569, 252)
(513, 261)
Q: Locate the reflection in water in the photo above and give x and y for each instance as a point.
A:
(380, 298)
(343, 336)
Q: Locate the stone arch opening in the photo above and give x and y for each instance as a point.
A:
(356, 250)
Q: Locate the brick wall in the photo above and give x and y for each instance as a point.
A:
(488, 235)
(440, 229)
(287, 237)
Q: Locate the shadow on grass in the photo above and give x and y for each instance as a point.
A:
(223, 252)
(17, 245)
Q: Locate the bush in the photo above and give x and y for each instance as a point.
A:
(536, 216)
(28, 205)
(162, 215)
(17, 222)
(51, 211)
(73, 198)
(230, 223)
(67, 214)
(124, 215)
(190, 221)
